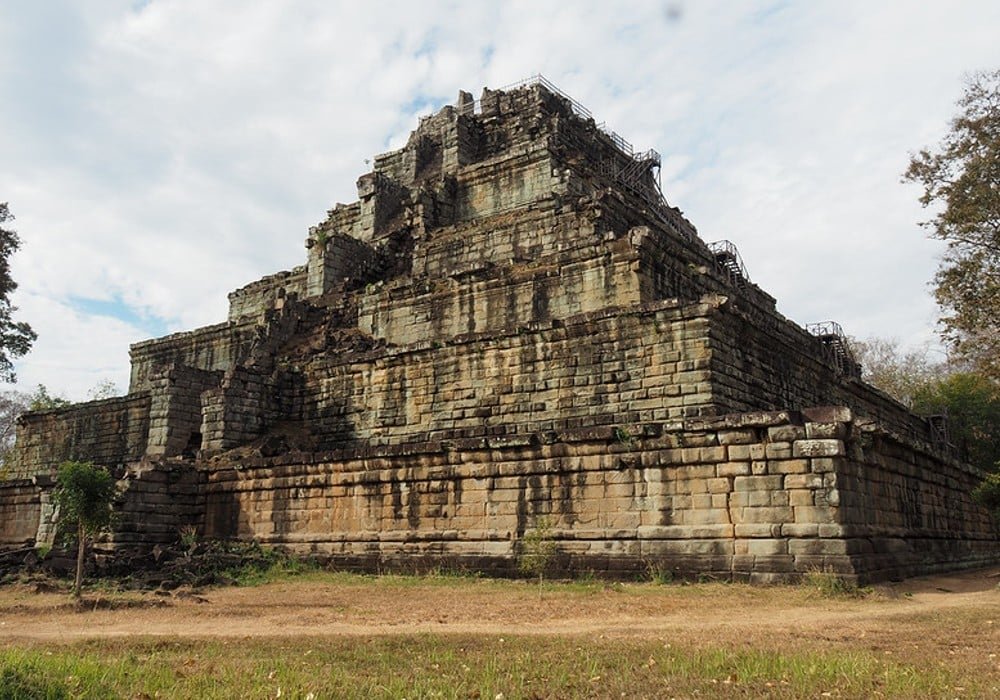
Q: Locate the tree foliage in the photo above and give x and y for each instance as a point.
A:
(899, 373)
(15, 337)
(42, 400)
(972, 404)
(988, 493)
(104, 389)
(85, 495)
(928, 386)
(538, 549)
(12, 405)
(961, 181)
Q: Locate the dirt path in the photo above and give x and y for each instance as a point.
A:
(925, 609)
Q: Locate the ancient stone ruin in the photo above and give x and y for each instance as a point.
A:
(511, 329)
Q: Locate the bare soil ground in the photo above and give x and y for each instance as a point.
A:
(942, 620)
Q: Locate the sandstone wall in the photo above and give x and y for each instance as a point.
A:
(337, 259)
(175, 413)
(213, 348)
(672, 268)
(239, 409)
(763, 362)
(605, 368)
(503, 240)
(908, 510)
(511, 297)
(251, 301)
(20, 512)
(761, 496)
(158, 500)
(522, 177)
(110, 432)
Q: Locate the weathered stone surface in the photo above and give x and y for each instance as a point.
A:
(510, 327)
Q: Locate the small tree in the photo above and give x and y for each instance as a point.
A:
(537, 550)
(84, 494)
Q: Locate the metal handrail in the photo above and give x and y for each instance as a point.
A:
(826, 328)
(832, 336)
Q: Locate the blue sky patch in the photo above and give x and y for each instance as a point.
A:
(154, 326)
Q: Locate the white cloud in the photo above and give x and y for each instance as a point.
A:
(81, 350)
(167, 153)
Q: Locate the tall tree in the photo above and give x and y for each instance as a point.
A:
(961, 181)
(15, 337)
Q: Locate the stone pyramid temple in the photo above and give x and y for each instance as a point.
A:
(510, 331)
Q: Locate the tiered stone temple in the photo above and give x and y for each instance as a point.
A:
(511, 324)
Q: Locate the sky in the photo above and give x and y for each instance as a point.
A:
(160, 154)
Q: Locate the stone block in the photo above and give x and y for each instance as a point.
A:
(700, 501)
(719, 485)
(762, 547)
(733, 469)
(800, 530)
(785, 433)
(687, 546)
(803, 481)
(773, 564)
(778, 450)
(825, 464)
(771, 515)
(671, 532)
(818, 448)
(788, 466)
(826, 431)
(704, 516)
(741, 437)
(758, 483)
(815, 514)
(738, 453)
(817, 546)
(801, 497)
(828, 414)
(758, 529)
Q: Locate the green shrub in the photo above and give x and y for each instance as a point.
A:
(659, 573)
(623, 436)
(831, 585)
(988, 493)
